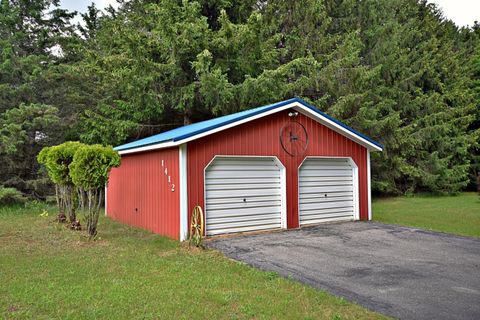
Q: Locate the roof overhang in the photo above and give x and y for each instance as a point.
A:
(296, 104)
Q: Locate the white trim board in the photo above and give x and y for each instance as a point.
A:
(369, 187)
(295, 105)
(182, 163)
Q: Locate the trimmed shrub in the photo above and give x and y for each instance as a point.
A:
(57, 160)
(10, 196)
(89, 171)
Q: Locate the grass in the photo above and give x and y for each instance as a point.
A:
(49, 272)
(451, 214)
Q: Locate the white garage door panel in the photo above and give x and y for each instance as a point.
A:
(326, 183)
(326, 205)
(221, 201)
(326, 178)
(238, 229)
(331, 195)
(219, 181)
(326, 173)
(236, 205)
(340, 211)
(330, 169)
(243, 218)
(326, 191)
(211, 187)
(250, 211)
(242, 194)
(234, 225)
(320, 199)
(250, 193)
(329, 216)
(254, 166)
(239, 174)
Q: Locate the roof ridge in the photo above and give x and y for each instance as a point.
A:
(191, 130)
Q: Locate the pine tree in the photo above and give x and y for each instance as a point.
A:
(35, 36)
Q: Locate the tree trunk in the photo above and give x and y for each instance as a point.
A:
(95, 198)
(186, 117)
(70, 196)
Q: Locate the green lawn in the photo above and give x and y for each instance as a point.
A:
(453, 214)
(49, 272)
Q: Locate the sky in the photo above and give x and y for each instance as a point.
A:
(462, 12)
(81, 5)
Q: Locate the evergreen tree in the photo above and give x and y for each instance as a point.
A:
(396, 70)
(35, 36)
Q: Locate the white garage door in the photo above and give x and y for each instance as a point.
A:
(242, 194)
(326, 190)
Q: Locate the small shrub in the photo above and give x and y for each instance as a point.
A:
(10, 196)
(57, 160)
(89, 171)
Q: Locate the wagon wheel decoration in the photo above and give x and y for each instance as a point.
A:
(294, 138)
(196, 226)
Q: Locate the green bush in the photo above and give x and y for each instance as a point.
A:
(10, 196)
(57, 160)
(91, 165)
(89, 171)
(79, 170)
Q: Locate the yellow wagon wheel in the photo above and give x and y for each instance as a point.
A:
(196, 226)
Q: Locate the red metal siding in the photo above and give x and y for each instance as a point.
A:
(140, 183)
(261, 137)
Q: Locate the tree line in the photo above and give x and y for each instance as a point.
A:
(396, 70)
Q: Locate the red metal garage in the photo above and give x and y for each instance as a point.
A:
(283, 165)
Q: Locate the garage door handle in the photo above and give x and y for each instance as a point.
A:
(244, 200)
(325, 195)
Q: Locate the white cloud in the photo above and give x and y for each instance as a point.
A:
(105, 3)
(462, 12)
(81, 6)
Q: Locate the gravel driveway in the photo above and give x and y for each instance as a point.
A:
(402, 272)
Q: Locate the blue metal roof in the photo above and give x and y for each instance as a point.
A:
(188, 131)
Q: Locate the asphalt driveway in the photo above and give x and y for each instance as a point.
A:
(401, 272)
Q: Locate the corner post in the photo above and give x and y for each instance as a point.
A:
(182, 154)
(369, 188)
